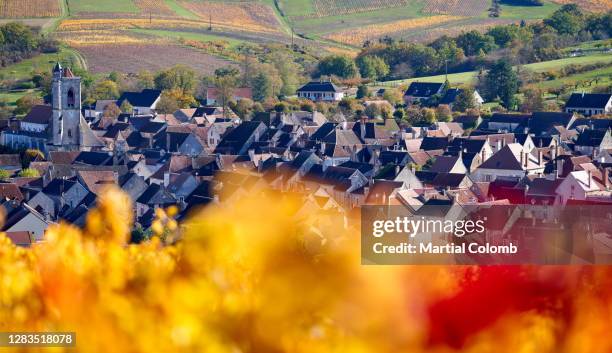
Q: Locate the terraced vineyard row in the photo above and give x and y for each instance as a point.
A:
(590, 5)
(247, 16)
(29, 8)
(154, 7)
(325, 8)
(356, 36)
(456, 7)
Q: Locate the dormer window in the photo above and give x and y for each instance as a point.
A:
(70, 101)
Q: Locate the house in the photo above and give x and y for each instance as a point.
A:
(320, 91)
(507, 122)
(448, 164)
(591, 142)
(22, 218)
(96, 110)
(143, 102)
(451, 94)
(10, 162)
(422, 91)
(38, 119)
(239, 139)
(589, 104)
(510, 161)
(582, 185)
(213, 95)
(21, 238)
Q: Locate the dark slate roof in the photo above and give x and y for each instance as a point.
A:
(323, 131)
(599, 124)
(57, 186)
(544, 121)
(113, 130)
(505, 118)
(591, 138)
(40, 114)
(155, 194)
(450, 96)
(466, 145)
(235, 139)
(316, 86)
(146, 98)
(364, 168)
(202, 111)
(94, 158)
(588, 100)
(394, 157)
(423, 89)
(152, 127)
(434, 143)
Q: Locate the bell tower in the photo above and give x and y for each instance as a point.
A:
(66, 104)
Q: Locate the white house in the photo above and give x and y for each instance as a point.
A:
(589, 104)
(143, 103)
(320, 91)
(510, 161)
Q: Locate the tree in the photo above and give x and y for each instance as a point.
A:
(393, 96)
(225, 83)
(281, 107)
(5, 174)
(31, 154)
(29, 173)
(167, 104)
(372, 67)
(25, 104)
(288, 71)
(262, 87)
(243, 107)
(372, 111)
(429, 115)
(179, 76)
(106, 89)
(566, 20)
(111, 111)
(473, 42)
(338, 65)
(386, 110)
(443, 113)
(126, 107)
(362, 92)
(465, 100)
(532, 100)
(145, 80)
(501, 81)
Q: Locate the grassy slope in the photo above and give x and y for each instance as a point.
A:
(527, 12)
(469, 77)
(181, 11)
(189, 35)
(101, 6)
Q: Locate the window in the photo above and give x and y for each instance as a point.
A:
(69, 133)
(70, 100)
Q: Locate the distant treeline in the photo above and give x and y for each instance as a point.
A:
(19, 42)
(522, 2)
(522, 43)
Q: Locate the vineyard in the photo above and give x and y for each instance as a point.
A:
(590, 5)
(359, 35)
(135, 57)
(457, 7)
(29, 8)
(453, 29)
(246, 16)
(343, 7)
(154, 8)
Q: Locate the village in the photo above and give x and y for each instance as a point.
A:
(199, 156)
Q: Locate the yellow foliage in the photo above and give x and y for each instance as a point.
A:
(255, 276)
(356, 36)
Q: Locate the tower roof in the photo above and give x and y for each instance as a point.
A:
(58, 67)
(68, 72)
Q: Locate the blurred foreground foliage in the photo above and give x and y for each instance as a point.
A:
(258, 277)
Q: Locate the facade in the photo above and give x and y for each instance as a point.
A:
(589, 104)
(320, 91)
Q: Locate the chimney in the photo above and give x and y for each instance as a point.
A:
(526, 159)
(589, 176)
(539, 157)
(362, 129)
(166, 178)
(522, 156)
(397, 170)
(559, 168)
(499, 145)
(606, 178)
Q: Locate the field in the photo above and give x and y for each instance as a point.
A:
(153, 57)
(247, 16)
(470, 77)
(323, 8)
(29, 8)
(591, 5)
(457, 7)
(359, 35)
(108, 6)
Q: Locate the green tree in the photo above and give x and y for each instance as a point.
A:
(29, 173)
(338, 65)
(288, 71)
(106, 89)
(281, 107)
(465, 100)
(473, 42)
(362, 92)
(501, 81)
(567, 20)
(19, 36)
(111, 111)
(262, 87)
(372, 67)
(179, 76)
(145, 80)
(25, 104)
(5, 174)
(243, 108)
(429, 115)
(443, 113)
(126, 107)
(167, 104)
(226, 84)
(373, 111)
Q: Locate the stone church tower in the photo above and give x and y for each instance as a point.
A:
(69, 130)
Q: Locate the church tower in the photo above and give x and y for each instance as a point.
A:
(66, 93)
